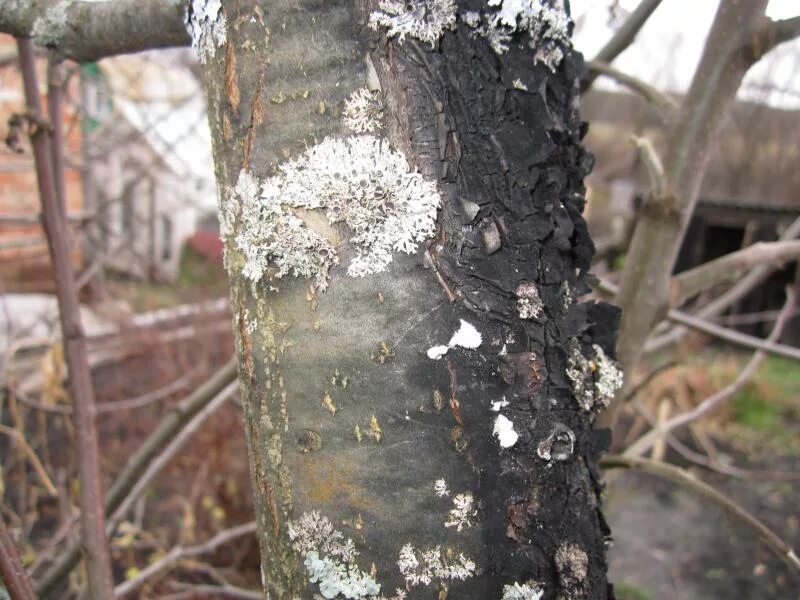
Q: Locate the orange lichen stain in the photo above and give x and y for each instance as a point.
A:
(328, 480)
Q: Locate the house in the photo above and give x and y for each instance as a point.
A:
(24, 259)
(151, 163)
(750, 192)
(139, 168)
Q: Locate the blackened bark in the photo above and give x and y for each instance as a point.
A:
(517, 155)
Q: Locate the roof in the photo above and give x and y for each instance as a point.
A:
(755, 163)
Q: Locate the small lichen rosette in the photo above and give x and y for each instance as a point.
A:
(358, 181)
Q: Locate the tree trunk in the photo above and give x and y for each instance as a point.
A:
(466, 463)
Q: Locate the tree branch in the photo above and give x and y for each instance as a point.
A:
(625, 35)
(723, 333)
(13, 573)
(88, 31)
(645, 442)
(41, 472)
(773, 33)
(730, 267)
(655, 168)
(93, 535)
(170, 426)
(155, 466)
(718, 305)
(683, 478)
(179, 553)
(664, 103)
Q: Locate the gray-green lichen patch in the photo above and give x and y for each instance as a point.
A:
(206, 24)
(330, 558)
(594, 381)
(49, 29)
(545, 22)
(425, 20)
(358, 181)
(530, 590)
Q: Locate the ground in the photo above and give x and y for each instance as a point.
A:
(669, 543)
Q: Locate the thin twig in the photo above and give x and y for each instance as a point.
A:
(41, 472)
(215, 591)
(687, 480)
(719, 304)
(170, 426)
(13, 573)
(729, 268)
(646, 442)
(713, 464)
(167, 454)
(625, 34)
(93, 535)
(655, 168)
(723, 333)
(664, 103)
(179, 553)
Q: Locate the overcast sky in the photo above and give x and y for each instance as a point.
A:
(667, 49)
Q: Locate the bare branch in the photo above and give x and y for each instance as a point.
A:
(685, 479)
(179, 553)
(723, 333)
(625, 35)
(718, 305)
(169, 428)
(41, 472)
(655, 168)
(88, 31)
(710, 403)
(664, 103)
(167, 454)
(774, 33)
(214, 591)
(93, 535)
(730, 267)
(13, 573)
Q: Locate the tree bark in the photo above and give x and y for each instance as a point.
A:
(353, 424)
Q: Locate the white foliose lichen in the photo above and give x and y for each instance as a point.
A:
(207, 26)
(272, 236)
(466, 336)
(425, 20)
(546, 24)
(363, 111)
(460, 516)
(358, 181)
(504, 431)
(329, 558)
(594, 381)
(529, 302)
(425, 566)
(530, 590)
(440, 487)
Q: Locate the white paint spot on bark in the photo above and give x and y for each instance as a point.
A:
(504, 431)
(465, 337)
